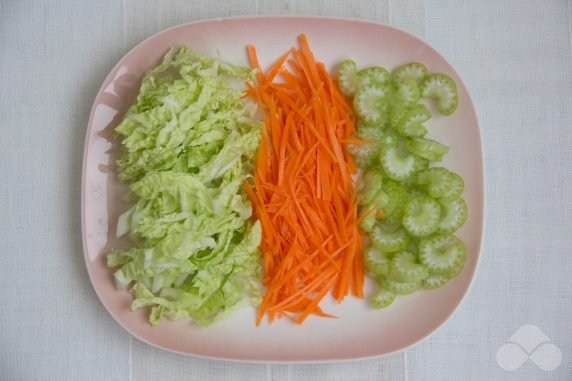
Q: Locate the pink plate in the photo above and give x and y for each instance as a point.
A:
(359, 331)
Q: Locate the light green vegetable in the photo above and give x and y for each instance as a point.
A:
(397, 112)
(347, 77)
(367, 154)
(189, 145)
(411, 123)
(388, 238)
(440, 182)
(397, 197)
(398, 164)
(442, 254)
(407, 92)
(413, 70)
(435, 281)
(401, 288)
(368, 221)
(453, 214)
(404, 268)
(443, 89)
(179, 122)
(390, 138)
(419, 206)
(421, 216)
(372, 103)
(372, 199)
(382, 298)
(372, 184)
(427, 148)
(376, 263)
(373, 75)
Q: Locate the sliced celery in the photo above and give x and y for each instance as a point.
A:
(443, 89)
(414, 70)
(442, 253)
(347, 77)
(421, 216)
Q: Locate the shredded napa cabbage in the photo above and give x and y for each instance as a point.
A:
(189, 144)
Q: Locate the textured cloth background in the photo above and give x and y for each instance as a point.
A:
(516, 59)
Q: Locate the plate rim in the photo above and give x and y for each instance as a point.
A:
(482, 199)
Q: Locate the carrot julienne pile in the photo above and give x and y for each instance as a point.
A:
(304, 192)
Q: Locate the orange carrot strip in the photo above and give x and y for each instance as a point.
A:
(275, 69)
(300, 319)
(253, 57)
(303, 192)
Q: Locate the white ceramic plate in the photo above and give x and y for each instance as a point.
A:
(359, 331)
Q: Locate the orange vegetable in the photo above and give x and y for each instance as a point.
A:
(304, 193)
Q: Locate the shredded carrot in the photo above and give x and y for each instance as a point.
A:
(303, 191)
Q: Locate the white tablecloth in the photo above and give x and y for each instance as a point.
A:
(515, 57)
